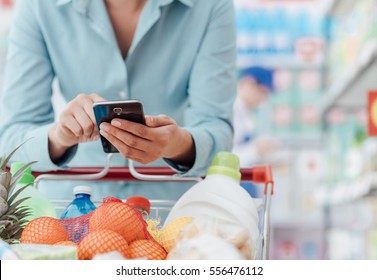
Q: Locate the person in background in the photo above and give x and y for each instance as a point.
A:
(176, 56)
(255, 84)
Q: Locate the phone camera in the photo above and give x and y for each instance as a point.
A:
(117, 111)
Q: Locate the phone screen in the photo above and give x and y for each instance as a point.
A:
(131, 110)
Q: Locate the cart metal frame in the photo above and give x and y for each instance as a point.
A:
(257, 174)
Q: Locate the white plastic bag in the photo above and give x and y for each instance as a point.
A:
(231, 233)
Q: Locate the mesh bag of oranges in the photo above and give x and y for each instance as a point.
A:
(113, 226)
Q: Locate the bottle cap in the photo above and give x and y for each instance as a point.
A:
(28, 178)
(139, 201)
(82, 189)
(226, 163)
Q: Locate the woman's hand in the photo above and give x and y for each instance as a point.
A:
(76, 124)
(161, 137)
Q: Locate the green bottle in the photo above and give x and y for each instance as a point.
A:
(39, 204)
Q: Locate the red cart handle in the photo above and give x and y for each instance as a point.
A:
(258, 174)
(263, 174)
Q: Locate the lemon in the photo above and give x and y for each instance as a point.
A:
(171, 231)
(154, 229)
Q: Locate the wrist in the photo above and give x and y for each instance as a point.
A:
(184, 149)
(55, 147)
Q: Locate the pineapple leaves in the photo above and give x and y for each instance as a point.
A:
(14, 196)
(3, 163)
(5, 178)
(18, 175)
(16, 216)
(24, 212)
(15, 227)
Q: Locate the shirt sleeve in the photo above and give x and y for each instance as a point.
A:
(212, 88)
(26, 110)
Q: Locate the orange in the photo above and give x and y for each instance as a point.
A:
(146, 249)
(44, 230)
(121, 218)
(100, 242)
(66, 243)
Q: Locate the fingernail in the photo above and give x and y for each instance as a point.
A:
(115, 123)
(103, 133)
(104, 127)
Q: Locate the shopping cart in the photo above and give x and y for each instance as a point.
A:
(257, 174)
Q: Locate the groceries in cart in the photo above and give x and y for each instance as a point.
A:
(81, 205)
(215, 215)
(219, 236)
(141, 204)
(38, 204)
(220, 196)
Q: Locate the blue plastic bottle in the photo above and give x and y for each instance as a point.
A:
(81, 205)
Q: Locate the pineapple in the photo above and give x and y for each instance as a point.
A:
(12, 215)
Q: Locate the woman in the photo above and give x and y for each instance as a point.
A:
(176, 56)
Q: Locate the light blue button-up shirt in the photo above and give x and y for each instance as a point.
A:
(181, 63)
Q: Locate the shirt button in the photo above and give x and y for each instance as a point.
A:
(123, 94)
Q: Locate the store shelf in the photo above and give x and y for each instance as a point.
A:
(277, 62)
(347, 191)
(297, 223)
(330, 7)
(351, 90)
(302, 142)
(338, 7)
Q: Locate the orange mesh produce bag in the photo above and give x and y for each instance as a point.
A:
(113, 215)
(44, 230)
(100, 242)
(121, 218)
(149, 249)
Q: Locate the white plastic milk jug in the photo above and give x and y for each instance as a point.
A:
(220, 195)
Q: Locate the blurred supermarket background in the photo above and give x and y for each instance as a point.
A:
(324, 57)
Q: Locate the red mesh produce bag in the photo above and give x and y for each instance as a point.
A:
(113, 215)
(78, 227)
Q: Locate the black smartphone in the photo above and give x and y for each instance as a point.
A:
(131, 110)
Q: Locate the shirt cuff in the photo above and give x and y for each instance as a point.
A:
(178, 168)
(37, 149)
(203, 154)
